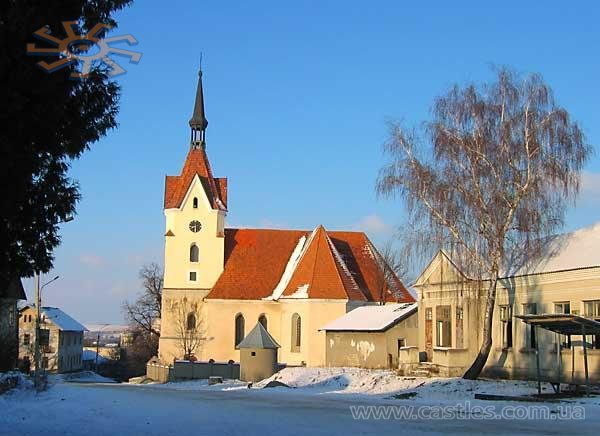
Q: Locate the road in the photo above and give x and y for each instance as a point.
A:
(105, 409)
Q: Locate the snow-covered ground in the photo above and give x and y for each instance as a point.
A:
(322, 402)
(79, 377)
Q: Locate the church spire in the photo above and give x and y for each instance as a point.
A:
(198, 122)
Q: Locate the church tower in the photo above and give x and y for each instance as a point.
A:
(195, 207)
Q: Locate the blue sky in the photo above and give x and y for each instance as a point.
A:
(297, 96)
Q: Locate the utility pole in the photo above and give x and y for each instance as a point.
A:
(97, 350)
(98, 344)
(38, 320)
(37, 375)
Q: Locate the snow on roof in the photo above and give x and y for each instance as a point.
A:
(372, 318)
(575, 250)
(61, 319)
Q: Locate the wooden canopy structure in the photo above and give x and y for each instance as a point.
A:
(563, 324)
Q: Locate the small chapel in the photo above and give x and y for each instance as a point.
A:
(219, 282)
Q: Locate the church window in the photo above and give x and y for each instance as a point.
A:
(296, 333)
(239, 328)
(192, 276)
(195, 203)
(194, 253)
(263, 320)
(191, 321)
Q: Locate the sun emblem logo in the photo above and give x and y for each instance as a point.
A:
(83, 50)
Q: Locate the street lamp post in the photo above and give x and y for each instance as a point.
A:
(38, 319)
(98, 344)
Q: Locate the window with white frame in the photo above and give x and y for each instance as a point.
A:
(592, 308)
(443, 326)
(562, 307)
(507, 326)
(530, 339)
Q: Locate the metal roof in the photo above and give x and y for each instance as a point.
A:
(564, 324)
(258, 338)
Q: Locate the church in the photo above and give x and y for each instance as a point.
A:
(220, 282)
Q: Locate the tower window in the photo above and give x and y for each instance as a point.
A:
(192, 276)
(195, 203)
(194, 253)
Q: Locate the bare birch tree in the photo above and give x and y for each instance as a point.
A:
(490, 175)
(189, 327)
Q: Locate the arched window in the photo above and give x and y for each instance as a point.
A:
(239, 328)
(191, 321)
(195, 203)
(194, 253)
(296, 333)
(263, 320)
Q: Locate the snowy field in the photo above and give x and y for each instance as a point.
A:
(321, 401)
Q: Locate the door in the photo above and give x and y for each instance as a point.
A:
(429, 333)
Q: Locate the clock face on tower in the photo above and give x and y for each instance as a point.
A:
(195, 226)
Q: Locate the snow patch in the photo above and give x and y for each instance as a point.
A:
(289, 270)
(368, 251)
(301, 292)
(365, 348)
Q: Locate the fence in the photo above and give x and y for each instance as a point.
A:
(186, 370)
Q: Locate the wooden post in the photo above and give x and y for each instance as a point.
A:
(585, 361)
(572, 360)
(537, 359)
(559, 361)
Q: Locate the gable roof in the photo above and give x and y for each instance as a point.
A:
(272, 264)
(372, 318)
(59, 318)
(258, 337)
(436, 265)
(196, 164)
(13, 289)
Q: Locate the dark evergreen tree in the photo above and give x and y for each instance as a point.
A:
(47, 121)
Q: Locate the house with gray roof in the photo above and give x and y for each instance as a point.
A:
(61, 339)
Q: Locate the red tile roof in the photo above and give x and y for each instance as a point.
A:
(334, 265)
(196, 163)
(322, 272)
